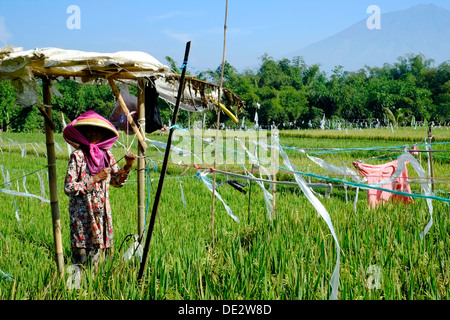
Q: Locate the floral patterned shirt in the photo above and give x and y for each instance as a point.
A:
(89, 209)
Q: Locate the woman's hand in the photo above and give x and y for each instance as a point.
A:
(102, 175)
(129, 158)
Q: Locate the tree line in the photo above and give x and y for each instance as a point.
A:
(282, 92)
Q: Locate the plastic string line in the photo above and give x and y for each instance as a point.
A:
(339, 150)
(396, 148)
(354, 184)
(22, 177)
(414, 180)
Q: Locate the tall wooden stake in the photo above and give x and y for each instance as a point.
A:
(141, 160)
(218, 121)
(164, 166)
(51, 161)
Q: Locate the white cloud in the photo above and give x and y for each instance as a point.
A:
(165, 16)
(182, 37)
(4, 34)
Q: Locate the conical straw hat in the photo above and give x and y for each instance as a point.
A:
(96, 122)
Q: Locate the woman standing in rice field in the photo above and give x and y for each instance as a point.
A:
(90, 171)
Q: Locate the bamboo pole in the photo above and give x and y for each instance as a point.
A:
(47, 119)
(51, 160)
(164, 165)
(141, 160)
(125, 110)
(218, 120)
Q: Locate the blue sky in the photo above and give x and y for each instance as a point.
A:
(162, 28)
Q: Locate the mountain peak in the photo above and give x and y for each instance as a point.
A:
(421, 29)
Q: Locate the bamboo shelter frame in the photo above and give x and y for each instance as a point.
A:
(111, 73)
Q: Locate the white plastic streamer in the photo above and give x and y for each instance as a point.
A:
(37, 153)
(22, 194)
(57, 146)
(16, 214)
(324, 213)
(24, 150)
(6, 179)
(24, 182)
(341, 170)
(7, 183)
(9, 145)
(182, 193)
(135, 250)
(202, 175)
(356, 199)
(268, 197)
(37, 145)
(69, 147)
(426, 188)
(42, 184)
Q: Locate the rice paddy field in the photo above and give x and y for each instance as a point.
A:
(288, 255)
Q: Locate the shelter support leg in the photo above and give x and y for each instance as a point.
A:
(51, 160)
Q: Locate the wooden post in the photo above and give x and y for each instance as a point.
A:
(141, 160)
(125, 110)
(164, 166)
(51, 160)
(218, 122)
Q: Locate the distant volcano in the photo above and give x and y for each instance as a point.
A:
(422, 29)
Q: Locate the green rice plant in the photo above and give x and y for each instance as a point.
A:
(289, 257)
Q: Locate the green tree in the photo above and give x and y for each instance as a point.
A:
(7, 104)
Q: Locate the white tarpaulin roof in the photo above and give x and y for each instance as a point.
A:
(23, 66)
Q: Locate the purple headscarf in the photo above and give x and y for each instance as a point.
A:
(95, 154)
